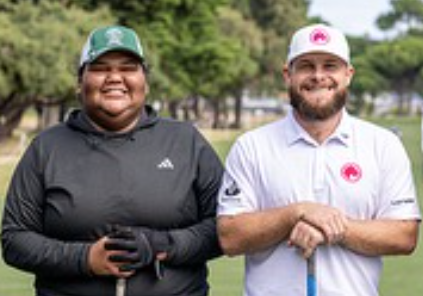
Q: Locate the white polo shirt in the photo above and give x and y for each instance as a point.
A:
(361, 169)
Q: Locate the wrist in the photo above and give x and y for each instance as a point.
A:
(299, 212)
(161, 241)
(346, 234)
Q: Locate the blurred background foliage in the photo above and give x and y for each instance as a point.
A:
(204, 55)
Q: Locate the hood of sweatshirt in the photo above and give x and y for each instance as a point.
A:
(78, 121)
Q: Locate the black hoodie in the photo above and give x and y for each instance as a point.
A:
(73, 182)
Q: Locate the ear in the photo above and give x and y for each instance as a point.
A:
(351, 72)
(78, 92)
(286, 74)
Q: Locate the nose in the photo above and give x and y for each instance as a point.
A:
(114, 75)
(319, 73)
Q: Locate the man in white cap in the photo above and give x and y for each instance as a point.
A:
(318, 181)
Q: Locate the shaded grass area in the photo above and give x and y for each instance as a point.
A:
(401, 276)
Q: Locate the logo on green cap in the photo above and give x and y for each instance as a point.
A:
(103, 40)
(114, 37)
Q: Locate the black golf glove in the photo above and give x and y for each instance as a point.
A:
(140, 246)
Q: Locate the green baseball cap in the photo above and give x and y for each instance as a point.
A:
(110, 38)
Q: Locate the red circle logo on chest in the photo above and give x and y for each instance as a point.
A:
(351, 172)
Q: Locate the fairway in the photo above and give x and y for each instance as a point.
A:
(401, 276)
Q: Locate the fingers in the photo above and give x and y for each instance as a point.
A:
(306, 238)
(99, 260)
(330, 221)
(122, 252)
(133, 251)
(124, 257)
(121, 232)
(119, 244)
(320, 224)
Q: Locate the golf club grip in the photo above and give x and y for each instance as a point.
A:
(311, 276)
(120, 287)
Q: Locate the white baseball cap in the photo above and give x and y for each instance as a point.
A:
(319, 38)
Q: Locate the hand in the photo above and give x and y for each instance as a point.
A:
(99, 263)
(138, 246)
(330, 221)
(306, 237)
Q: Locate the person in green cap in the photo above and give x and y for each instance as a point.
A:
(114, 192)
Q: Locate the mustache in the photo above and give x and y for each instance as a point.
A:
(309, 111)
(311, 84)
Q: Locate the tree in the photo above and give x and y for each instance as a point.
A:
(400, 62)
(246, 61)
(278, 19)
(40, 46)
(367, 82)
(405, 13)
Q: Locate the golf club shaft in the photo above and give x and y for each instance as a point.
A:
(120, 287)
(311, 276)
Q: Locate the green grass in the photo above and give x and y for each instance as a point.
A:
(226, 276)
(12, 281)
(401, 276)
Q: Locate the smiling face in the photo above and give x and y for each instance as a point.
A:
(113, 90)
(317, 84)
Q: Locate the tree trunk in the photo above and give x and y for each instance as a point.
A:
(185, 109)
(196, 108)
(237, 124)
(11, 111)
(10, 124)
(216, 114)
(173, 109)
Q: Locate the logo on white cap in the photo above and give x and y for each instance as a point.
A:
(319, 37)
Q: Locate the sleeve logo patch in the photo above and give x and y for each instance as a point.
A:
(233, 189)
(402, 201)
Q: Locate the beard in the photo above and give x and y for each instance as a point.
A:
(313, 112)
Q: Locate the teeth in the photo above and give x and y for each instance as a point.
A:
(319, 92)
(320, 89)
(117, 91)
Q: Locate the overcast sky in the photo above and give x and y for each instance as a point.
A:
(353, 17)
